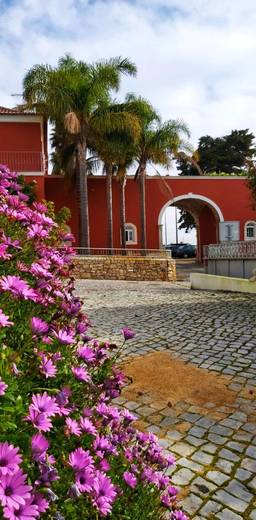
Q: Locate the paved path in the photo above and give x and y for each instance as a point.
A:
(215, 451)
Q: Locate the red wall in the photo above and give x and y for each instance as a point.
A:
(40, 184)
(62, 193)
(230, 194)
(20, 137)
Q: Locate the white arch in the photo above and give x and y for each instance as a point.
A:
(190, 196)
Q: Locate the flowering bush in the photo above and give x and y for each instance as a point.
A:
(65, 451)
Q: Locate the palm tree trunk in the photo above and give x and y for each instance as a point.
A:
(142, 178)
(122, 211)
(109, 206)
(84, 227)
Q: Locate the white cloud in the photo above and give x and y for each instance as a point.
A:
(195, 58)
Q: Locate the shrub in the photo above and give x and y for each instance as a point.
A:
(65, 451)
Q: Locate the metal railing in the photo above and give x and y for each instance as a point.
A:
(24, 161)
(230, 250)
(95, 251)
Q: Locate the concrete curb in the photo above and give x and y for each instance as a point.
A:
(211, 282)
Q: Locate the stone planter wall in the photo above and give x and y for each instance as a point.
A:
(124, 268)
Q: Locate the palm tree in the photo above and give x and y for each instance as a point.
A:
(113, 148)
(77, 95)
(159, 143)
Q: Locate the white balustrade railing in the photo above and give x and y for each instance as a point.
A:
(230, 250)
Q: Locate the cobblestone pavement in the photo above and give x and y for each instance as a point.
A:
(215, 449)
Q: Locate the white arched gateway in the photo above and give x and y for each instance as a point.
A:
(197, 205)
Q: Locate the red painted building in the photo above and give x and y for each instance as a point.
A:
(221, 206)
(23, 144)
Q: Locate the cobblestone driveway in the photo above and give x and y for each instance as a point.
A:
(215, 451)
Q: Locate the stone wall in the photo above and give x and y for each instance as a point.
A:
(124, 268)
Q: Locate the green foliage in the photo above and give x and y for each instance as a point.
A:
(29, 188)
(186, 221)
(228, 154)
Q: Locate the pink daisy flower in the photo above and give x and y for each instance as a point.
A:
(13, 490)
(41, 503)
(80, 459)
(104, 493)
(9, 459)
(47, 367)
(28, 511)
(86, 354)
(38, 326)
(39, 420)
(130, 479)
(3, 387)
(85, 480)
(87, 426)
(81, 374)
(4, 320)
(72, 427)
(39, 445)
(65, 337)
(44, 403)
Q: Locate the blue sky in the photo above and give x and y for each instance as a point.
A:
(195, 58)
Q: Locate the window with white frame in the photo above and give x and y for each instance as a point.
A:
(130, 234)
(250, 230)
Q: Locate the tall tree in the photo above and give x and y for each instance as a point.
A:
(113, 148)
(228, 154)
(158, 144)
(77, 95)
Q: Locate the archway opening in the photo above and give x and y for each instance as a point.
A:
(205, 214)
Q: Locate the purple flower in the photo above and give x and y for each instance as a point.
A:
(87, 426)
(9, 459)
(81, 374)
(37, 230)
(179, 515)
(18, 287)
(4, 253)
(102, 445)
(72, 427)
(65, 337)
(38, 326)
(44, 403)
(40, 502)
(27, 511)
(13, 490)
(39, 420)
(127, 333)
(80, 459)
(86, 354)
(4, 320)
(104, 493)
(128, 417)
(3, 387)
(39, 445)
(130, 479)
(81, 327)
(47, 367)
(85, 480)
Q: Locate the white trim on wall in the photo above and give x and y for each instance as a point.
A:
(21, 119)
(188, 196)
(134, 228)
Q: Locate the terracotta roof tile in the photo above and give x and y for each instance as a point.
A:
(14, 111)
